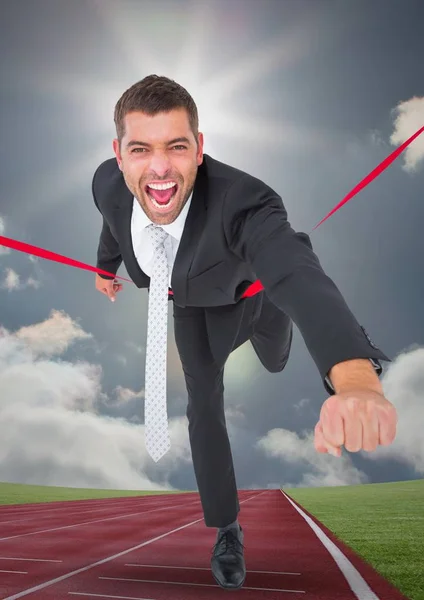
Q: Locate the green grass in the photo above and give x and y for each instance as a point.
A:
(383, 523)
(17, 493)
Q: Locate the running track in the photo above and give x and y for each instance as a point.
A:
(158, 548)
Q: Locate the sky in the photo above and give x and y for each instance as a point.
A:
(309, 96)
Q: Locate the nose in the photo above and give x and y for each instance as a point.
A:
(160, 164)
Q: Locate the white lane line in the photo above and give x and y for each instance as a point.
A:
(144, 512)
(107, 596)
(245, 587)
(206, 569)
(17, 572)
(356, 582)
(77, 503)
(31, 559)
(31, 515)
(49, 514)
(41, 586)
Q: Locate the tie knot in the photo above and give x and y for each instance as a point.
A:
(157, 234)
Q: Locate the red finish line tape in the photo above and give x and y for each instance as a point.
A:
(28, 249)
(257, 285)
(375, 173)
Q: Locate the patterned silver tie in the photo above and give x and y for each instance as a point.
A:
(155, 408)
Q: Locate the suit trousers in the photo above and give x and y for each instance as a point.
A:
(270, 332)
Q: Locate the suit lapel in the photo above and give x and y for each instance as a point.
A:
(193, 229)
(122, 219)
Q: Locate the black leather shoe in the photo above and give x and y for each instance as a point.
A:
(227, 562)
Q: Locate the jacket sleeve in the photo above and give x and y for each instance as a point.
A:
(257, 231)
(108, 252)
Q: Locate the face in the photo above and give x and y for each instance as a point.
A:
(156, 152)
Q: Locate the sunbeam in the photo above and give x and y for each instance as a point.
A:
(131, 29)
(293, 43)
(53, 187)
(191, 60)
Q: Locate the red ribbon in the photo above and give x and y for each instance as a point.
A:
(255, 287)
(375, 173)
(22, 247)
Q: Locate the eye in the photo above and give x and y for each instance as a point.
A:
(135, 150)
(181, 147)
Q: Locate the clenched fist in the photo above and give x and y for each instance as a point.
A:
(109, 287)
(359, 420)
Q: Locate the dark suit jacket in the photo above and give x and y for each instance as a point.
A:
(237, 231)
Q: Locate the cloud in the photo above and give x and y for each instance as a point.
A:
(51, 429)
(403, 385)
(12, 282)
(3, 249)
(31, 282)
(304, 403)
(120, 358)
(52, 336)
(138, 348)
(376, 138)
(409, 118)
(317, 469)
(124, 395)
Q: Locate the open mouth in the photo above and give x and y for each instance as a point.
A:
(161, 195)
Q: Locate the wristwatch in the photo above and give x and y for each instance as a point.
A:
(375, 363)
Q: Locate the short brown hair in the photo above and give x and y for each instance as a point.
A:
(152, 95)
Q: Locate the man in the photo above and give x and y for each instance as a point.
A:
(227, 229)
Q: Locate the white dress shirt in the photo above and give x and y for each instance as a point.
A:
(142, 245)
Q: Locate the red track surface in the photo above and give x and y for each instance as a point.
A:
(158, 548)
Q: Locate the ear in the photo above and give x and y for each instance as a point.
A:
(115, 145)
(200, 148)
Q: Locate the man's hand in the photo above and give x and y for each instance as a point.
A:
(359, 420)
(109, 287)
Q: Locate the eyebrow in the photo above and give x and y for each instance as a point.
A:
(174, 141)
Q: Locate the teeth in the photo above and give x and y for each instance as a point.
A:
(157, 204)
(162, 186)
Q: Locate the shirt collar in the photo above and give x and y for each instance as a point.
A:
(175, 229)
